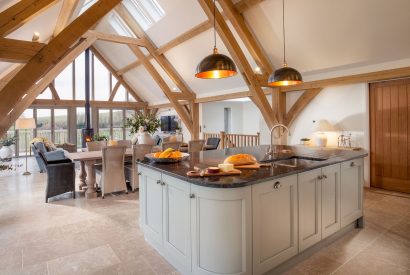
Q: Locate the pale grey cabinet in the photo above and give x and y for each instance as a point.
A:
(351, 199)
(330, 200)
(310, 208)
(152, 201)
(221, 224)
(275, 223)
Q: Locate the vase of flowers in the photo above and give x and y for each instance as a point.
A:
(142, 126)
(6, 152)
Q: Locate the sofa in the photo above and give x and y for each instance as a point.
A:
(56, 155)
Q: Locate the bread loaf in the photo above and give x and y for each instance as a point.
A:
(240, 159)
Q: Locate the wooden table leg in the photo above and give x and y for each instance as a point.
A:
(91, 192)
(83, 175)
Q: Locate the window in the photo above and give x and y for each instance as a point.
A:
(80, 77)
(104, 123)
(121, 94)
(101, 81)
(46, 94)
(128, 114)
(120, 26)
(145, 12)
(64, 83)
(21, 144)
(44, 123)
(117, 124)
(87, 4)
(60, 126)
(80, 123)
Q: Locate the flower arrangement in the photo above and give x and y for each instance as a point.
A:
(148, 121)
(8, 141)
(98, 137)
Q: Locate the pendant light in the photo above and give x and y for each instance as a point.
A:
(215, 65)
(285, 76)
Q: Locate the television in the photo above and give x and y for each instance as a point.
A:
(168, 124)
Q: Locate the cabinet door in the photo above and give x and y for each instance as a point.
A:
(221, 225)
(177, 231)
(141, 198)
(330, 200)
(310, 208)
(351, 181)
(275, 223)
(152, 208)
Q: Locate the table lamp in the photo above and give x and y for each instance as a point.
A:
(25, 124)
(320, 127)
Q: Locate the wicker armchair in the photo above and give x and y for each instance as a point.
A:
(60, 176)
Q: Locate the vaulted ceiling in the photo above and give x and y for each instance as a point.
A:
(325, 38)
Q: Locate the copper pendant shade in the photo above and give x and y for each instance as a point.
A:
(216, 65)
(284, 76)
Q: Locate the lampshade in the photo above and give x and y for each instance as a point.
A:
(25, 123)
(285, 76)
(215, 65)
(323, 126)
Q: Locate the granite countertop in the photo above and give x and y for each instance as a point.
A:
(249, 177)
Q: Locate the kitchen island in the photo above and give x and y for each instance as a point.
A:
(254, 222)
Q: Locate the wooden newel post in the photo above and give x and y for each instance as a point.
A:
(222, 137)
(258, 136)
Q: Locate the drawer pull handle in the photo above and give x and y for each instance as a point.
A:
(319, 177)
(352, 164)
(163, 183)
(324, 176)
(139, 173)
(192, 196)
(158, 181)
(277, 185)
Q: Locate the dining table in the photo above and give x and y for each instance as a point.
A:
(87, 160)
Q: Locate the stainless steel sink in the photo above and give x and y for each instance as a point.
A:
(297, 161)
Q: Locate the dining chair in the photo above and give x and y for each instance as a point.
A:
(111, 174)
(95, 145)
(174, 145)
(138, 153)
(125, 143)
(196, 145)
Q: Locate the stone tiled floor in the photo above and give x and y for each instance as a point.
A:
(102, 236)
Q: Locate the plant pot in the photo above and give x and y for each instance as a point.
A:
(145, 138)
(6, 152)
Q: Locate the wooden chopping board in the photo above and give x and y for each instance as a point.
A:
(194, 174)
(253, 166)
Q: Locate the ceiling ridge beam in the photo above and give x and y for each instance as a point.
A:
(18, 51)
(46, 79)
(119, 78)
(66, 13)
(17, 15)
(247, 37)
(258, 95)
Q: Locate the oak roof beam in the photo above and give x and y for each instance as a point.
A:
(66, 13)
(21, 12)
(116, 38)
(18, 51)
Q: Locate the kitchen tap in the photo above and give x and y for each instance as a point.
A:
(272, 150)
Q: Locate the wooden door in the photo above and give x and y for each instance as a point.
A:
(390, 131)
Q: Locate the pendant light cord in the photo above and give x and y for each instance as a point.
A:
(283, 33)
(214, 27)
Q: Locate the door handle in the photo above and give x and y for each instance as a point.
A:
(158, 181)
(352, 164)
(324, 176)
(319, 177)
(192, 196)
(277, 185)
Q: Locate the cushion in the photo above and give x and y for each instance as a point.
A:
(40, 147)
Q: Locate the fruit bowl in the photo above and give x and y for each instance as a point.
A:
(151, 156)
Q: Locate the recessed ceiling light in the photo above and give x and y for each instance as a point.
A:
(36, 37)
(257, 70)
